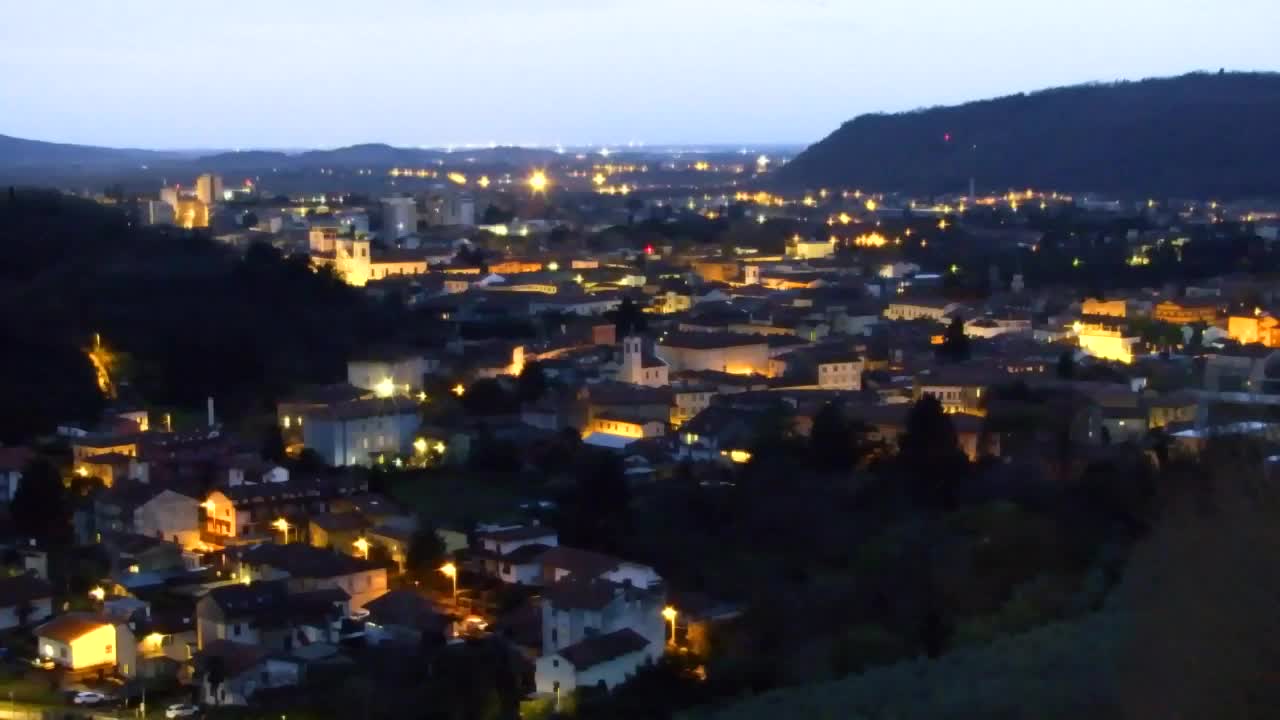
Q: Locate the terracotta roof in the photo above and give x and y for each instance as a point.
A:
(603, 648)
(582, 564)
(372, 407)
(582, 594)
(406, 608)
(526, 554)
(236, 657)
(305, 561)
(66, 628)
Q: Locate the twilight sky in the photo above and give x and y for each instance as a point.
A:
(323, 73)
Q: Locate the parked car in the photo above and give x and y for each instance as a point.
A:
(43, 663)
(88, 698)
(181, 711)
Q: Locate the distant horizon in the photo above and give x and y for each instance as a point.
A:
(324, 73)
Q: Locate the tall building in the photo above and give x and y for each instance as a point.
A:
(169, 196)
(209, 188)
(399, 217)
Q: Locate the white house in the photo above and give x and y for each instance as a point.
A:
(170, 515)
(231, 673)
(596, 632)
(77, 641)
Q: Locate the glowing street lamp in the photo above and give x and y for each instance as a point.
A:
(363, 546)
(669, 614)
(283, 526)
(538, 181)
(420, 446)
(385, 388)
(459, 390)
(98, 594)
(451, 571)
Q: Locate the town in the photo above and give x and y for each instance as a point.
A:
(528, 483)
(734, 378)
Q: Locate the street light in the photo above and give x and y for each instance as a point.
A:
(451, 571)
(98, 594)
(283, 526)
(363, 546)
(669, 614)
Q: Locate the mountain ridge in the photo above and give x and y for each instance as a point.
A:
(1193, 134)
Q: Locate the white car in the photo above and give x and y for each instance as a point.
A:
(181, 711)
(88, 698)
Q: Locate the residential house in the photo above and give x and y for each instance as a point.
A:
(338, 531)
(390, 373)
(404, 616)
(249, 513)
(936, 309)
(290, 413)
(231, 673)
(307, 568)
(170, 515)
(24, 599)
(78, 641)
(268, 615)
(1187, 311)
(157, 642)
(358, 432)
(596, 633)
(1258, 327)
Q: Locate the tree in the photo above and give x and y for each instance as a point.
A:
(930, 451)
(426, 552)
(955, 344)
(628, 318)
(831, 439)
(1067, 365)
(1196, 342)
(40, 508)
(532, 383)
(249, 219)
(597, 512)
(273, 444)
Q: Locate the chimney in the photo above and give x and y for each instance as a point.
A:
(211, 419)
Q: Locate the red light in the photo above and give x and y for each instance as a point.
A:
(946, 137)
(648, 249)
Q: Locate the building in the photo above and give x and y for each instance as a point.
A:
(267, 615)
(1118, 308)
(389, 374)
(243, 670)
(209, 189)
(1260, 327)
(1187, 311)
(77, 641)
(170, 515)
(1106, 342)
(596, 633)
(306, 569)
(935, 309)
(639, 368)
(799, 248)
(191, 213)
(725, 352)
(399, 217)
(360, 431)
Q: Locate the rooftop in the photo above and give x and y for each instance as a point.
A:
(602, 648)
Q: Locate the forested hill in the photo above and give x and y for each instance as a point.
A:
(1196, 135)
(191, 318)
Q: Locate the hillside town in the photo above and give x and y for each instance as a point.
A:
(526, 487)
